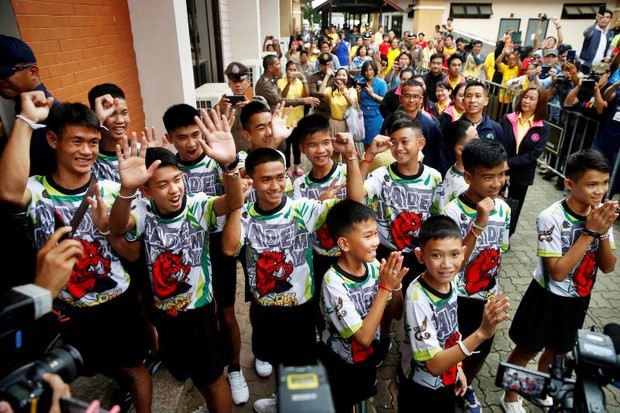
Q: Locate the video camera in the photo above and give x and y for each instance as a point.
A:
(25, 389)
(595, 362)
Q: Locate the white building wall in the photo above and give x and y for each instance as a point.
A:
(244, 29)
(225, 32)
(269, 11)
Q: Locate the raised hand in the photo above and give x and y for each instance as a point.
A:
(483, 210)
(602, 217)
(219, 144)
(132, 166)
(55, 261)
(495, 311)
(279, 131)
(343, 143)
(99, 210)
(391, 272)
(379, 144)
(150, 135)
(332, 190)
(35, 106)
(105, 106)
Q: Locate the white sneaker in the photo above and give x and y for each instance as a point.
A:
(511, 407)
(238, 387)
(263, 368)
(268, 405)
(546, 402)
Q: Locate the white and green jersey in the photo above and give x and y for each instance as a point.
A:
(99, 275)
(203, 175)
(252, 195)
(558, 228)
(431, 326)
(345, 302)
(309, 187)
(177, 251)
(480, 277)
(453, 185)
(106, 166)
(279, 249)
(402, 203)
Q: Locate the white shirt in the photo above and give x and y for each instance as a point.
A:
(600, 51)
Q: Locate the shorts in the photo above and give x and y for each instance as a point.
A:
(283, 334)
(469, 311)
(414, 397)
(224, 272)
(189, 343)
(409, 260)
(349, 383)
(547, 320)
(109, 336)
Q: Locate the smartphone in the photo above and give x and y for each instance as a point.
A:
(234, 99)
(516, 37)
(362, 84)
(70, 405)
(544, 72)
(587, 86)
(59, 222)
(570, 56)
(526, 382)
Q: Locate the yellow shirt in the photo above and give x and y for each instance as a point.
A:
(353, 52)
(338, 103)
(442, 106)
(447, 52)
(507, 74)
(392, 55)
(523, 125)
(489, 62)
(295, 91)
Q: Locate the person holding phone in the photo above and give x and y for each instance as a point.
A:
(596, 40)
(371, 91)
(340, 97)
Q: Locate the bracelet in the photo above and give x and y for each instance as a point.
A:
(400, 287)
(481, 228)
(591, 233)
(558, 27)
(33, 125)
(104, 233)
(232, 174)
(464, 349)
(368, 161)
(383, 287)
(126, 197)
(471, 229)
(354, 158)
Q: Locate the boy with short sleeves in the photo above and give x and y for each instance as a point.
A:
(484, 221)
(352, 324)
(277, 232)
(174, 227)
(430, 376)
(575, 239)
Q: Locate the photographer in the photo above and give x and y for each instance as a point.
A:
(59, 389)
(594, 36)
(474, 59)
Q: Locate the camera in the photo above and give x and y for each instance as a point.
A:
(595, 363)
(543, 17)
(25, 389)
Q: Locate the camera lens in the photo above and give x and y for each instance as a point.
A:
(65, 361)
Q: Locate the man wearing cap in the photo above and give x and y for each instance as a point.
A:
(19, 73)
(550, 59)
(324, 74)
(596, 39)
(268, 89)
(238, 76)
(325, 48)
(371, 48)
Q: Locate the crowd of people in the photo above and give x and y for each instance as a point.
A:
(410, 199)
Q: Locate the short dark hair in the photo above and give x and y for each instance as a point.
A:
(164, 155)
(104, 89)
(311, 124)
(474, 83)
(444, 85)
(178, 116)
(71, 114)
(399, 120)
(582, 161)
(407, 69)
(261, 156)
(455, 133)
(344, 215)
(454, 57)
(251, 109)
(289, 64)
(449, 35)
(372, 64)
(436, 56)
(268, 61)
(438, 227)
(414, 83)
(483, 153)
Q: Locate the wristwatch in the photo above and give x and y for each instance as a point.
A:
(231, 166)
(591, 233)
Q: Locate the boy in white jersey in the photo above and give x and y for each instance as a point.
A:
(278, 234)
(105, 322)
(575, 239)
(203, 174)
(430, 374)
(455, 136)
(174, 226)
(355, 293)
(484, 220)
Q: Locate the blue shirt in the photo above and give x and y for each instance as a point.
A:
(488, 129)
(368, 104)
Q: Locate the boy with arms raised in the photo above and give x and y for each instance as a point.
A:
(575, 239)
(352, 324)
(174, 226)
(484, 221)
(278, 233)
(203, 174)
(430, 376)
(100, 295)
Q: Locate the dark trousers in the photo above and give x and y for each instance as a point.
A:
(518, 193)
(293, 141)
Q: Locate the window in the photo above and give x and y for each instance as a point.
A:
(508, 24)
(471, 10)
(583, 11)
(532, 24)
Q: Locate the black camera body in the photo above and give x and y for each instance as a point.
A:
(24, 388)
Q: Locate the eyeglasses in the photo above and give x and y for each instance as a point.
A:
(16, 69)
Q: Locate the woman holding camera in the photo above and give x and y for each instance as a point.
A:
(340, 97)
(525, 137)
(371, 90)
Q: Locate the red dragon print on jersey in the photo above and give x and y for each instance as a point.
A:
(481, 273)
(404, 229)
(272, 272)
(448, 377)
(170, 275)
(584, 275)
(91, 273)
(325, 240)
